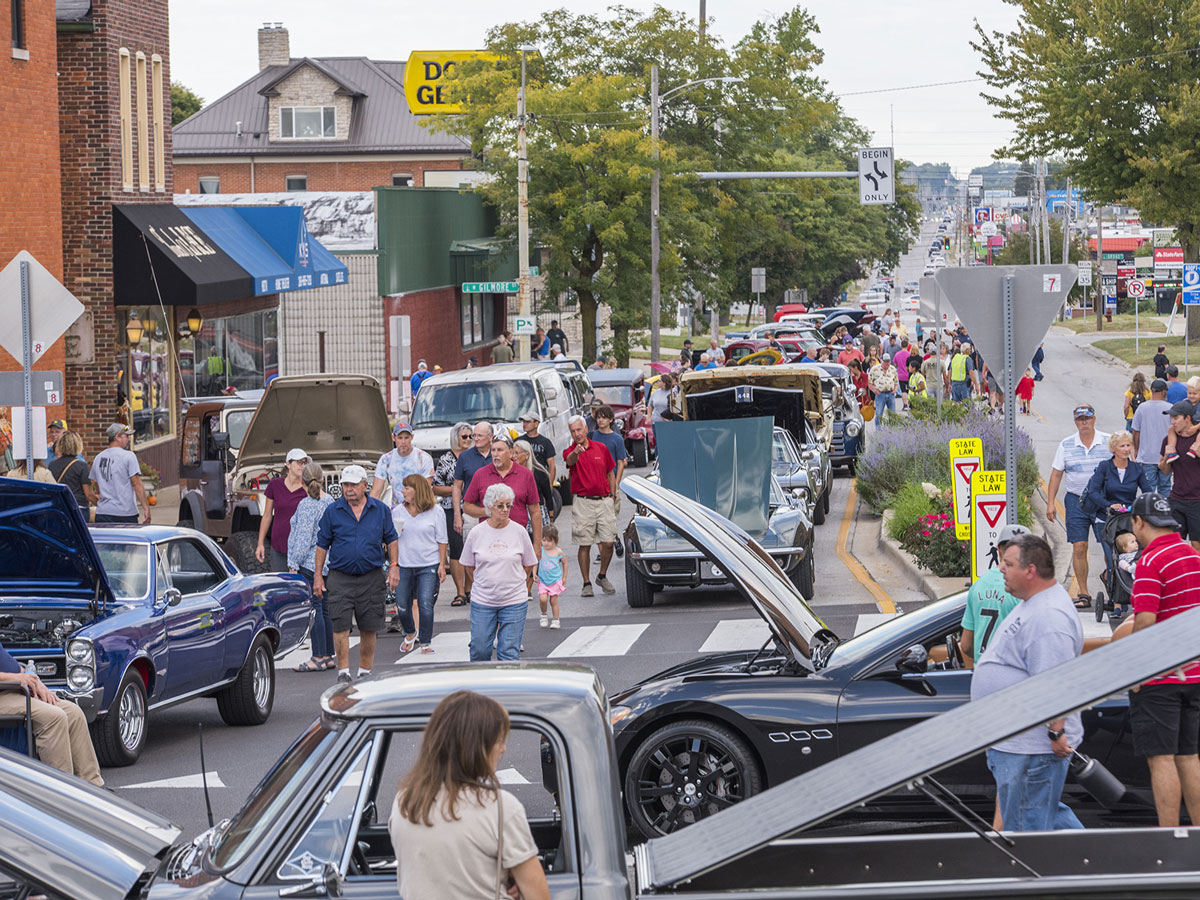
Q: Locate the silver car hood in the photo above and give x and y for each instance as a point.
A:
(750, 568)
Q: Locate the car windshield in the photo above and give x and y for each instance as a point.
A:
(127, 567)
(236, 424)
(289, 776)
(473, 401)
(782, 449)
(876, 640)
(617, 394)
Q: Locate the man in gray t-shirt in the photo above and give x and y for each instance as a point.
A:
(1043, 631)
(1151, 420)
(117, 474)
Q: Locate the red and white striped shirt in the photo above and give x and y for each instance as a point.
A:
(1166, 582)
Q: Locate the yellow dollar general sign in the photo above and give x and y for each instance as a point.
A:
(425, 76)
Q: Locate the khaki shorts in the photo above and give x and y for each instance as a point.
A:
(593, 521)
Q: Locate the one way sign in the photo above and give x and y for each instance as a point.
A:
(876, 181)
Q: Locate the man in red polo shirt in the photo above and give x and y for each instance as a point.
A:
(526, 508)
(594, 513)
(1165, 712)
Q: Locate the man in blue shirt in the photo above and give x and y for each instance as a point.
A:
(469, 462)
(60, 730)
(353, 532)
(1176, 389)
(419, 376)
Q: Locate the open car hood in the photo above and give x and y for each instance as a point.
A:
(750, 568)
(45, 548)
(789, 394)
(332, 418)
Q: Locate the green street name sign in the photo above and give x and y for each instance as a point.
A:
(490, 287)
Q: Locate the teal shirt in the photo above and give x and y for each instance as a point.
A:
(987, 603)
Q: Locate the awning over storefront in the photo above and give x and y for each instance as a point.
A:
(207, 254)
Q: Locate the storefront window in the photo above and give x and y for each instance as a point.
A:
(238, 352)
(478, 319)
(151, 389)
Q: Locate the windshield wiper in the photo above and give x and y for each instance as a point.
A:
(431, 422)
(951, 803)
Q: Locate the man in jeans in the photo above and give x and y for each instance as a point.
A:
(1042, 632)
(118, 476)
(353, 532)
(1151, 421)
(594, 516)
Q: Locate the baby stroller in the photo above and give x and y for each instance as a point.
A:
(1117, 582)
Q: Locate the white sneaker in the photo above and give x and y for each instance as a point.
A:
(555, 624)
(543, 621)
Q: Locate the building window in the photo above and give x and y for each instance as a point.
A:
(210, 184)
(124, 86)
(160, 152)
(149, 382)
(143, 125)
(240, 352)
(295, 183)
(478, 319)
(307, 122)
(399, 180)
(18, 24)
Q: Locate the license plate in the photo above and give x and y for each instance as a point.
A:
(708, 570)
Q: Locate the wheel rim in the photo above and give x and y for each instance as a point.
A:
(262, 678)
(687, 778)
(131, 718)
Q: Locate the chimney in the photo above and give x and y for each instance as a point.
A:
(273, 49)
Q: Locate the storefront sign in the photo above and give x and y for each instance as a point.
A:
(1163, 237)
(1168, 258)
(425, 79)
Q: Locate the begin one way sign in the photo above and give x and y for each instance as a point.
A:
(966, 458)
(988, 516)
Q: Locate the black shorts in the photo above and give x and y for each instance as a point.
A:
(356, 597)
(1165, 719)
(454, 540)
(1187, 514)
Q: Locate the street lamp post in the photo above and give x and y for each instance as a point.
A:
(523, 348)
(655, 182)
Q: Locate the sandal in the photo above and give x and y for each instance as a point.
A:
(1083, 601)
(309, 665)
(427, 649)
(459, 600)
(410, 641)
(330, 662)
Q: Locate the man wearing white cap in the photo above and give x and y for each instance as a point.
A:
(419, 376)
(353, 533)
(118, 475)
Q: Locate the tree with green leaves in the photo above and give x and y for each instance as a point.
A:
(184, 103)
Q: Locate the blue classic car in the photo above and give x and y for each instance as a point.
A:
(127, 619)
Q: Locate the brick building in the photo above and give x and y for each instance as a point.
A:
(312, 124)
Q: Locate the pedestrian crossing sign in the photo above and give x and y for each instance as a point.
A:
(966, 458)
(989, 514)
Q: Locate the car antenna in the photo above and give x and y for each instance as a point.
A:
(204, 775)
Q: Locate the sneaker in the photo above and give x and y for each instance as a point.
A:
(1171, 457)
(587, 590)
(619, 548)
(555, 624)
(394, 626)
(543, 621)
(605, 584)
(344, 678)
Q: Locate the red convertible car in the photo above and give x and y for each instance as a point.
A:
(625, 391)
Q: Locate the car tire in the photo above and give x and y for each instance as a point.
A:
(804, 576)
(825, 498)
(818, 516)
(639, 592)
(249, 699)
(640, 452)
(242, 546)
(727, 772)
(120, 734)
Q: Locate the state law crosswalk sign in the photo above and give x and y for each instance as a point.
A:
(966, 458)
(989, 514)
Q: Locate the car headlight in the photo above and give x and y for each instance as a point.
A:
(81, 678)
(80, 652)
(619, 425)
(853, 429)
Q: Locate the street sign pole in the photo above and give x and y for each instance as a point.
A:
(1010, 413)
(27, 364)
(938, 322)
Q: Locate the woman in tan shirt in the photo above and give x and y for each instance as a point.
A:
(456, 834)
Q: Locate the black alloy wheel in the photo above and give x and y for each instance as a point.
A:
(685, 772)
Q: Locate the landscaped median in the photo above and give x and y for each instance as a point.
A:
(906, 471)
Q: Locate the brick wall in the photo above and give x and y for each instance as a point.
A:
(435, 329)
(90, 148)
(322, 176)
(31, 212)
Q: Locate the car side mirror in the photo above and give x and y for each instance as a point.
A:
(913, 661)
(172, 596)
(220, 440)
(551, 393)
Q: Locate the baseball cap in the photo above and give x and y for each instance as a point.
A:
(1158, 385)
(296, 453)
(58, 423)
(353, 475)
(1182, 408)
(1154, 509)
(400, 427)
(887, 357)
(1009, 532)
(687, 343)
(437, 368)
(530, 417)
(1085, 411)
(117, 428)
(847, 339)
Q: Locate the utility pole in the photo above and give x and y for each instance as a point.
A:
(1101, 299)
(703, 21)
(523, 349)
(1045, 214)
(655, 287)
(1030, 212)
(1068, 209)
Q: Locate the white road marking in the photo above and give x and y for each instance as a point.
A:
(867, 621)
(1092, 628)
(599, 640)
(510, 776)
(303, 652)
(182, 781)
(449, 646)
(736, 634)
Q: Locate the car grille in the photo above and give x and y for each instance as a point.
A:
(50, 669)
(672, 566)
(838, 447)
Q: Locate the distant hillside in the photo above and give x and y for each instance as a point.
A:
(933, 180)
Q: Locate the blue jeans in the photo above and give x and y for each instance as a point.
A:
(322, 628)
(1159, 480)
(1029, 788)
(503, 626)
(422, 584)
(960, 391)
(884, 401)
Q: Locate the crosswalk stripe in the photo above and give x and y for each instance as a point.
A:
(301, 653)
(600, 640)
(449, 646)
(182, 781)
(867, 621)
(736, 634)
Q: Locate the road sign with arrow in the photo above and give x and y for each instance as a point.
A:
(876, 184)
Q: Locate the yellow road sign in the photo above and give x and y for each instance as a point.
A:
(989, 514)
(425, 76)
(966, 458)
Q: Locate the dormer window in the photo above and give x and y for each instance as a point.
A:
(307, 122)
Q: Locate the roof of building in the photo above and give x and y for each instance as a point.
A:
(381, 121)
(72, 10)
(1114, 244)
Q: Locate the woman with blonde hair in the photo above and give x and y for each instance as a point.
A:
(302, 558)
(421, 556)
(69, 468)
(456, 834)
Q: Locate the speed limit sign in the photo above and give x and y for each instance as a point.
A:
(1136, 289)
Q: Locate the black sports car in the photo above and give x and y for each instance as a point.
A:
(703, 735)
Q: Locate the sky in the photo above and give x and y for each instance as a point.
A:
(872, 46)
